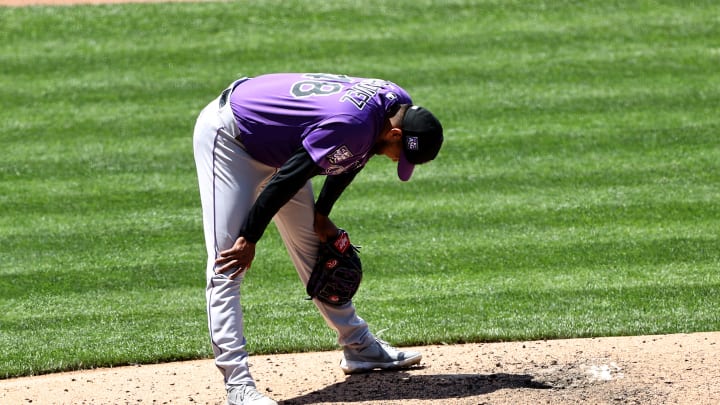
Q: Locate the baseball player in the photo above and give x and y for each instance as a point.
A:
(256, 148)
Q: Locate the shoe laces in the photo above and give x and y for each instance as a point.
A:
(250, 392)
(383, 343)
(244, 391)
(387, 347)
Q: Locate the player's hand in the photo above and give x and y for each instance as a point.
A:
(236, 259)
(324, 228)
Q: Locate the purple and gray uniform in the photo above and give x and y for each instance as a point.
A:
(256, 148)
(335, 118)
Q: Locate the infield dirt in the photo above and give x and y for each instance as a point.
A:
(665, 369)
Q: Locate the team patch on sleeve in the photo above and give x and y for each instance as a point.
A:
(339, 155)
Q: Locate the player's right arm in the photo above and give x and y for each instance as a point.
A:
(289, 179)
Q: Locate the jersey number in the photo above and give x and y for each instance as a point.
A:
(319, 84)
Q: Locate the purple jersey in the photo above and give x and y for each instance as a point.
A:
(335, 118)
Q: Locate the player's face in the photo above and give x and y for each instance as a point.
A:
(390, 145)
(392, 150)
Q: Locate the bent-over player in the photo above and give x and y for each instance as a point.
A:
(256, 148)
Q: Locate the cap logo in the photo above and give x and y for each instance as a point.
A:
(411, 143)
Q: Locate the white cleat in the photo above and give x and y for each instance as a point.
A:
(379, 355)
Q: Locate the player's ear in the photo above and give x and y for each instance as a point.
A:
(395, 133)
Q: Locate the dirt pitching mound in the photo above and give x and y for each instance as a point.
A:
(665, 369)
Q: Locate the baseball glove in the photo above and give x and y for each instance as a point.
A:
(337, 273)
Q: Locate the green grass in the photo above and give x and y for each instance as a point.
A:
(576, 195)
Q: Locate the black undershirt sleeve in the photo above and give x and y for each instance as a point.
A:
(332, 188)
(291, 177)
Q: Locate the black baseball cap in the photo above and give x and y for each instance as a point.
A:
(422, 138)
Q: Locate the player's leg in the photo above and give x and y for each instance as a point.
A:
(295, 225)
(228, 179)
(361, 350)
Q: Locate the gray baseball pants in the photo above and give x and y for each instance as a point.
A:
(229, 181)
